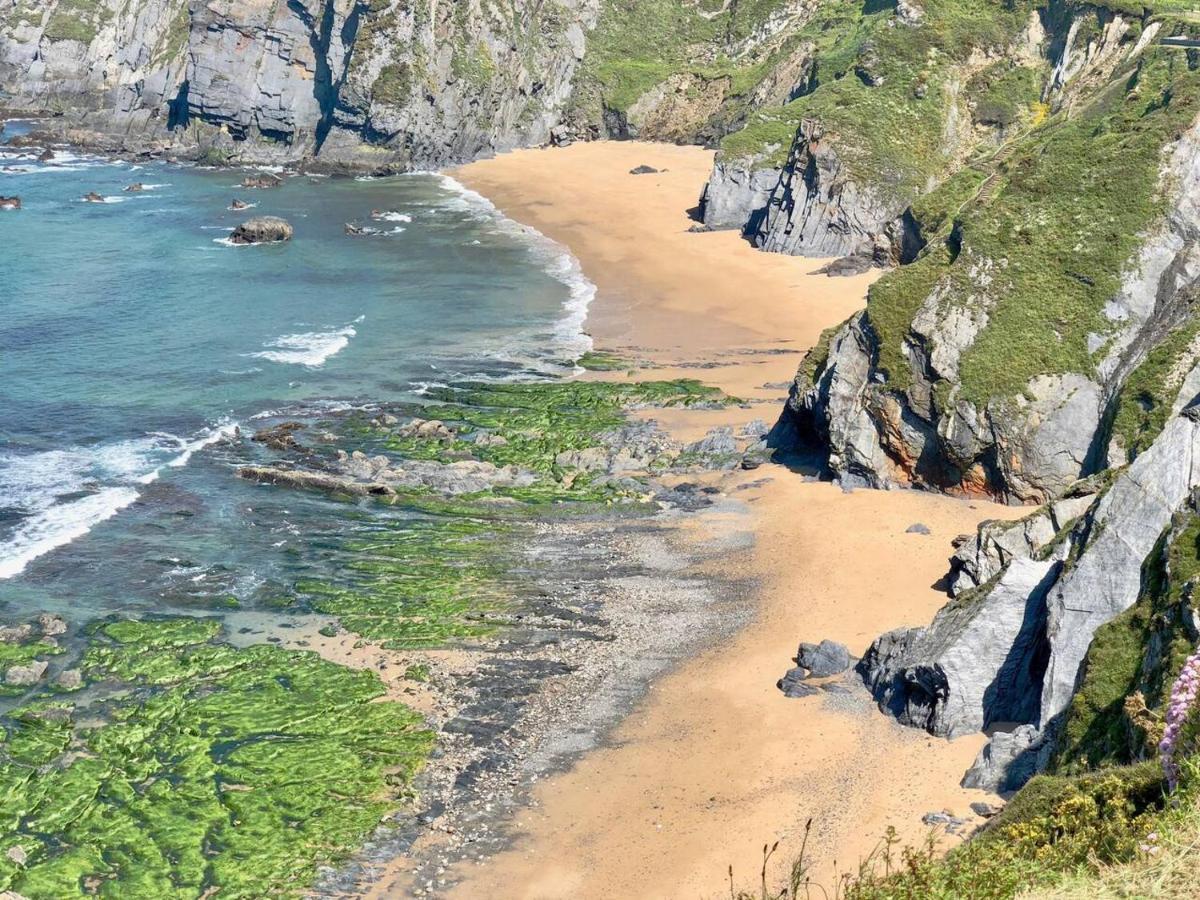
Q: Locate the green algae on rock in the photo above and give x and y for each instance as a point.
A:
(199, 768)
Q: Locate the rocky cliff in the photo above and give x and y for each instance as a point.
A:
(389, 84)
(1039, 347)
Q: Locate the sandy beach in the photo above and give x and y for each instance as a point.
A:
(715, 761)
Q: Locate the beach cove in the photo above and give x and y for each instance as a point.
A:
(715, 761)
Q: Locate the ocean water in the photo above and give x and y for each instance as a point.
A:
(133, 337)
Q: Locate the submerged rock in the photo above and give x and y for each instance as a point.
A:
(262, 230)
(93, 197)
(46, 155)
(262, 181)
(31, 673)
(10, 202)
(279, 437)
(237, 204)
(135, 188)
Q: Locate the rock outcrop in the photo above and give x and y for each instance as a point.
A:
(262, 230)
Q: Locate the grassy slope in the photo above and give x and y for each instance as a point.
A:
(1053, 238)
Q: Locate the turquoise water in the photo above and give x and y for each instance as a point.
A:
(132, 339)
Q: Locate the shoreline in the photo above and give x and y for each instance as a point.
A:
(715, 772)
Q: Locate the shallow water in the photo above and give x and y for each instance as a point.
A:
(133, 337)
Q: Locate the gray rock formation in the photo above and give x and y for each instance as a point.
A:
(1011, 648)
(376, 86)
(262, 230)
(823, 659)
(915, 426)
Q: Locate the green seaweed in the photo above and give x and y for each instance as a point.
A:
(214, 770)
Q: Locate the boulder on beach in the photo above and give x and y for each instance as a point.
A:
(643, 170)
(264, 180)
(823, 659)
(135, 188)
(93, 197)
(262, 230)
(10, 202)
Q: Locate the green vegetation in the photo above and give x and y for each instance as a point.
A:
(1148, 394)
(393, 85)
(1133, 659)
(76, 20)
(198, 769)
(1056, 234)
(602, 361)
(882, 92)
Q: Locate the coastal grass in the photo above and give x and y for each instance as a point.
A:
(1148, 394)
(198, 768)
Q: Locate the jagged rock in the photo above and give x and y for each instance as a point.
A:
(279, 437)
(10, 202)
(717, 442)
(51, 624)
(985, 810)
(823, 659)
(792, 684)
(944, 819)
(262, 181)
(1008, 760)
(27, 674)
(237, 204)
(46, 155)
(262, 230)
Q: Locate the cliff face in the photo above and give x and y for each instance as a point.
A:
(377, 84)
(1040, 347)
(389, 84)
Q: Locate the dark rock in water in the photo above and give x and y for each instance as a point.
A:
(262, 230)
(265, 180)
(792, 684)
(848, 266)
(823, 659)
(321, 481)
(69, 680)
(93, 197)
(643, 170)
(354, 229)
(46, 155)
(136, 188)
(238, 204)
(985, 810)
(10, 202)
(917, 528)
(280, 437)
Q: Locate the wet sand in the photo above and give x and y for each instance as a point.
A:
(715, 761)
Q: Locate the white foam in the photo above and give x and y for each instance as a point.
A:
(555, 259)
(392, 217)
(60, 525)
(228, 242)
(309, 348)
(110, 474)
(113, 199)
